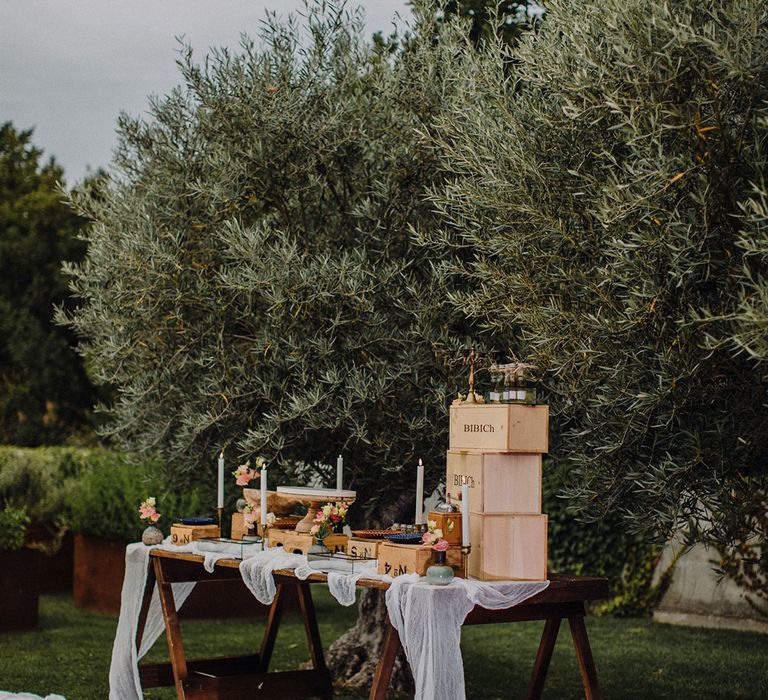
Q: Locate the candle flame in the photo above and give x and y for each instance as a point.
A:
(420, 464)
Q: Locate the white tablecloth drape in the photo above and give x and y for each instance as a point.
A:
(427, 618)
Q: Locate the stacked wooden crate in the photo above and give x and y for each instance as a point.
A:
(496, 449)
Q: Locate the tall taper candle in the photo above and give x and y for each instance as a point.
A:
(220, 493)
(339, 473)
(263, 499)
(419, 493)
(465, 514)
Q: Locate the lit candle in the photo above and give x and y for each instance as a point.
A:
(419, 493)
(339, 473)
(220, 494)
(465, 514)
(263, 498)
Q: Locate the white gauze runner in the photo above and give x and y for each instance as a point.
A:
(124, 683)
(257, 574)
(429, 618)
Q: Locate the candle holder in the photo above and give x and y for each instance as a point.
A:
(465, 550)
(220, 514)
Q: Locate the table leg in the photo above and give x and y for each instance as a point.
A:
(584, 656)
(386, 663)
(270, 632)
(172, 630)
(543, 657)
(307, 607)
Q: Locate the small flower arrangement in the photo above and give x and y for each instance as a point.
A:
(329, 518)
(249, 516)
(433, 535)
(244, 474)
(147, 510)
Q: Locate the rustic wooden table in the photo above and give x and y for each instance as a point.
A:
(248, 676)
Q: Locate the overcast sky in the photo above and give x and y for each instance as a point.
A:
(68, 67)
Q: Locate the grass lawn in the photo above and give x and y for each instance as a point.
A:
(635, 659)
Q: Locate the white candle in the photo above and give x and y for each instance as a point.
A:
(339, 473)
(220, 494)
(419, 493)
(263, 499)
(465, 514)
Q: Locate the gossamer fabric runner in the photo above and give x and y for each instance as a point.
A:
(124, 682)
(429, 619)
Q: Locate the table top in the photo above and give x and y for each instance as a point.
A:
(562, 587)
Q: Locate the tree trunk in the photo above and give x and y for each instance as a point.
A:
(353, 656)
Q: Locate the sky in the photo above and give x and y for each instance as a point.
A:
(69, 67)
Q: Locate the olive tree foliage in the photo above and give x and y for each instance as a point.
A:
(605, 210)
(251, 282)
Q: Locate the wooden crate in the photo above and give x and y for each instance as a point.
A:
(184, 534)
(499, 427)
(239, 529)
(361, 547)
(300, 542)
(449, 523)
(397, 559)
(498, 482)
(508, 547)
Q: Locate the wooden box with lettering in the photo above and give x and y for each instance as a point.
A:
(497, 482)
(449, 523)
(499, 427)
(506, 547)
(184, 534)
(397, 559)
(361, 547)
(300, 542)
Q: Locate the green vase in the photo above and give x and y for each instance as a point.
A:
(439, 574)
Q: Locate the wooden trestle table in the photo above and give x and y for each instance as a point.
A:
(234, 678)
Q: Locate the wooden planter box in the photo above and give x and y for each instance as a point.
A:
(508, 547)
(98, 582)
(499, 427)
(397, 559)
(98, 574)
(498, 483)
(19, 578)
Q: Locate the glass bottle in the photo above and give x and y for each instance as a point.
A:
(494, 394)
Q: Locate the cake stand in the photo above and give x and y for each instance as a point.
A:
(315, 498)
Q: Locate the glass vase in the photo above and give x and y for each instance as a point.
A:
(439, 574)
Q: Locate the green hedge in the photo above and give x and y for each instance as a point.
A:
(92, 491)
(602, 548)
(13, 528)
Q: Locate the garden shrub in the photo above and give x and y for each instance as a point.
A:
(108, 496)
(92, 491)
(13, 528)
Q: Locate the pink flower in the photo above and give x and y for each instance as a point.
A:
(314, 529)
(243, 474)
(249, 518)
(440, 546)
(147, 510)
